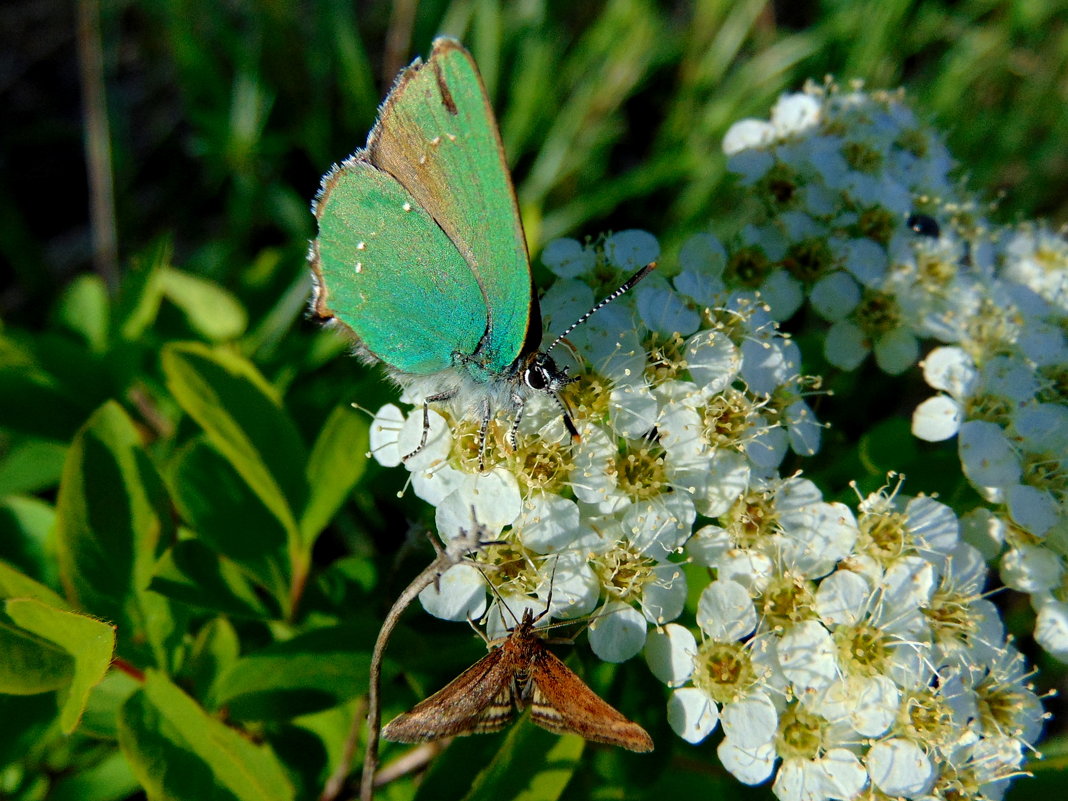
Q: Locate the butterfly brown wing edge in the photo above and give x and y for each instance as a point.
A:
(479, 700)
(562, 703)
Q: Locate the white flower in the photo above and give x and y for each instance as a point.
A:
(1051, 628)
(691, 714)
(568, 259)
(670, 652)
(807, 656)
(632, 249)
(725, 611)
(937, 419)
(900, 768)
(617, 633)
(987, 455)
(1038, 259)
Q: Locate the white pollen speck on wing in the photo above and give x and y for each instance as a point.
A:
(452, 138)
(422, 159)
(361, 245)
(407, 206)
(436, 140)
(359, 266)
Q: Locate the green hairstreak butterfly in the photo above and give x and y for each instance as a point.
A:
(421, 256)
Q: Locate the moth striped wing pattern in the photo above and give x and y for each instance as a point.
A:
(562, 703)
(478, 700)
(518, 673)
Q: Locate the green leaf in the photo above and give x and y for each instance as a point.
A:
(31, 466)
(178, 751)
(29, 727)
(84, 309)
(31, 665)
(530, 764)
(102, 712)
(229, 517)
(141, 292)
(88, 640)
(215, 649)
(274, 326)
(211, 311)
(337, 463)
(195, 575)
(14, 584)
(313, 671)
(330, 729)
(110, 779)
(26, 526)
(887, 446)
(35, 404)
(113, 520)
(243, 418)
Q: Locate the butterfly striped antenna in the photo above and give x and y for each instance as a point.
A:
(623, 289)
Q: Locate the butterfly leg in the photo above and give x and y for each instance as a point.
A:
(482, 435)
(513, 433)
(429, 399)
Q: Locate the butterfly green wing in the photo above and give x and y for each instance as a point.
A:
(478, 700)
(437, 135)
(387, 270)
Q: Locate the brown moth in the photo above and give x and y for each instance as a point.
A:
(519, 673)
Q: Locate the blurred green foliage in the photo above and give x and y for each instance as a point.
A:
(178, 457)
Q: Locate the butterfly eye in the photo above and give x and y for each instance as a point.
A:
(537, 377)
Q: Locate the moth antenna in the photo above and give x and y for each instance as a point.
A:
(549, 599)
(630, 282)
(583, 621)
(478, 631)
(500, 599)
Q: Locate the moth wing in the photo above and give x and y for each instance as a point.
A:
(437, 135)
(479, 700)
(384, 268)
(562, 703)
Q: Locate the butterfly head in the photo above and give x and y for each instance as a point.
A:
(540, 374)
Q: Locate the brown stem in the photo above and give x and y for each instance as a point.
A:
(334, 785)
(134, 672)
(454, 553)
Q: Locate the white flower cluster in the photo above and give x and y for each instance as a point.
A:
(852, 653)
(847, 655)
(680, 409)
(835, 174)
(1003, 392)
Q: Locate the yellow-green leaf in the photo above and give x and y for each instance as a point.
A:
(88, 640)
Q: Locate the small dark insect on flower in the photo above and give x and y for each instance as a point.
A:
(923, 225)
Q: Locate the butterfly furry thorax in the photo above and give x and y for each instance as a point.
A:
(519, 673)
